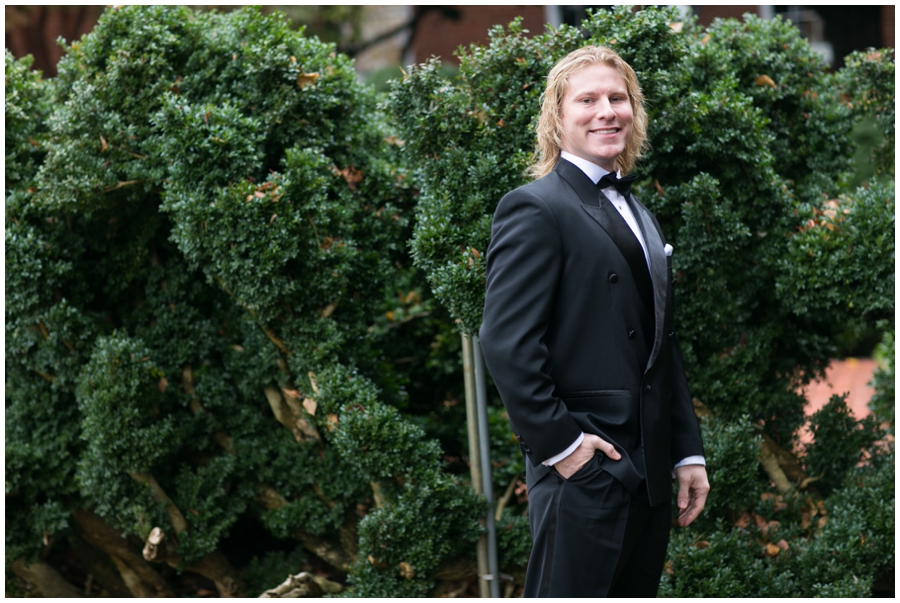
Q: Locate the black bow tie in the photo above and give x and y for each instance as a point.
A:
(623, 185)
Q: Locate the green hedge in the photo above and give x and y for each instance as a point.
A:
(214, 323)
(205, 223)
(775, 257)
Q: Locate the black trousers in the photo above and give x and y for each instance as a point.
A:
(593, 538)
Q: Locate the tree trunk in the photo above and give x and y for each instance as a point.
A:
(46, 580)
(217, 568)
(101, 567)
(303, 584)
(140, 577)
(328, 551)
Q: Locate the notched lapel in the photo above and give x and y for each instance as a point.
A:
(658, 272)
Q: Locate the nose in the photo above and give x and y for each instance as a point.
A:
(605, 109)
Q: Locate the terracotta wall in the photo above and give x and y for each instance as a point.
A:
(438, 36)
(34, 30)
(707, 12)
(887, 25)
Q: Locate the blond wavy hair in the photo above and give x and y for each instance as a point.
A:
(549, 128)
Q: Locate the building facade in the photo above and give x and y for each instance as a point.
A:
(410, 34)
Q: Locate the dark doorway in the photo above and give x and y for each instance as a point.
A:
(844, 28)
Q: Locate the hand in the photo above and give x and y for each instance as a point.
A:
(584, 453)
(693, 488)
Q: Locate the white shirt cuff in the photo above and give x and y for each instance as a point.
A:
(553, 460)
(691, 460)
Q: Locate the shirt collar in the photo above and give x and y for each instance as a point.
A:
(591, 170)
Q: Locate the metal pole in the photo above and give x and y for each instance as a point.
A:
(486, 473)
(481, 548)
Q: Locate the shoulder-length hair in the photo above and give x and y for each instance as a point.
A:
(549, 127)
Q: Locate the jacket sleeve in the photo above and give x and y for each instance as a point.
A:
(524, 265)
(686, 439)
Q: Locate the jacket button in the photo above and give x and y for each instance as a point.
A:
(614, 278)
(631, 334)
(646, 389)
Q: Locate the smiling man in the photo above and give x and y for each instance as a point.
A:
(579, 337)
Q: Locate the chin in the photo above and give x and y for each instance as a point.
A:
(608, 156)
(607, 160)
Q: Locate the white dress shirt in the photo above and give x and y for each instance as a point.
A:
(595, 173)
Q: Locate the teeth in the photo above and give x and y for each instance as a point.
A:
(611, 131)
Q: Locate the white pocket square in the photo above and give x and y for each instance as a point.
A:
(668, 250)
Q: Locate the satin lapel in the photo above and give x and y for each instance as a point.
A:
(601, 215)
(658, 272)
(587, 192)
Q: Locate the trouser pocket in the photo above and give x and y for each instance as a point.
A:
(578, 527)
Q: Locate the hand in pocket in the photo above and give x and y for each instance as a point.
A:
(584, 453)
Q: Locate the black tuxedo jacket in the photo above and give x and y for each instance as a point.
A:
(577, 339)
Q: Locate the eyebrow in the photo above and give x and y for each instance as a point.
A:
(591, 90)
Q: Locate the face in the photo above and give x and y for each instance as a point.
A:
(596, 115)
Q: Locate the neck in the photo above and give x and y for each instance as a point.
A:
(594, 171)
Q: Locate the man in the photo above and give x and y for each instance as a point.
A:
(578, 335)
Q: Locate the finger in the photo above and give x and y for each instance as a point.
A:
(698, 501)
(695, 506)
(684, 495)
(688, 515)
(606, 448)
